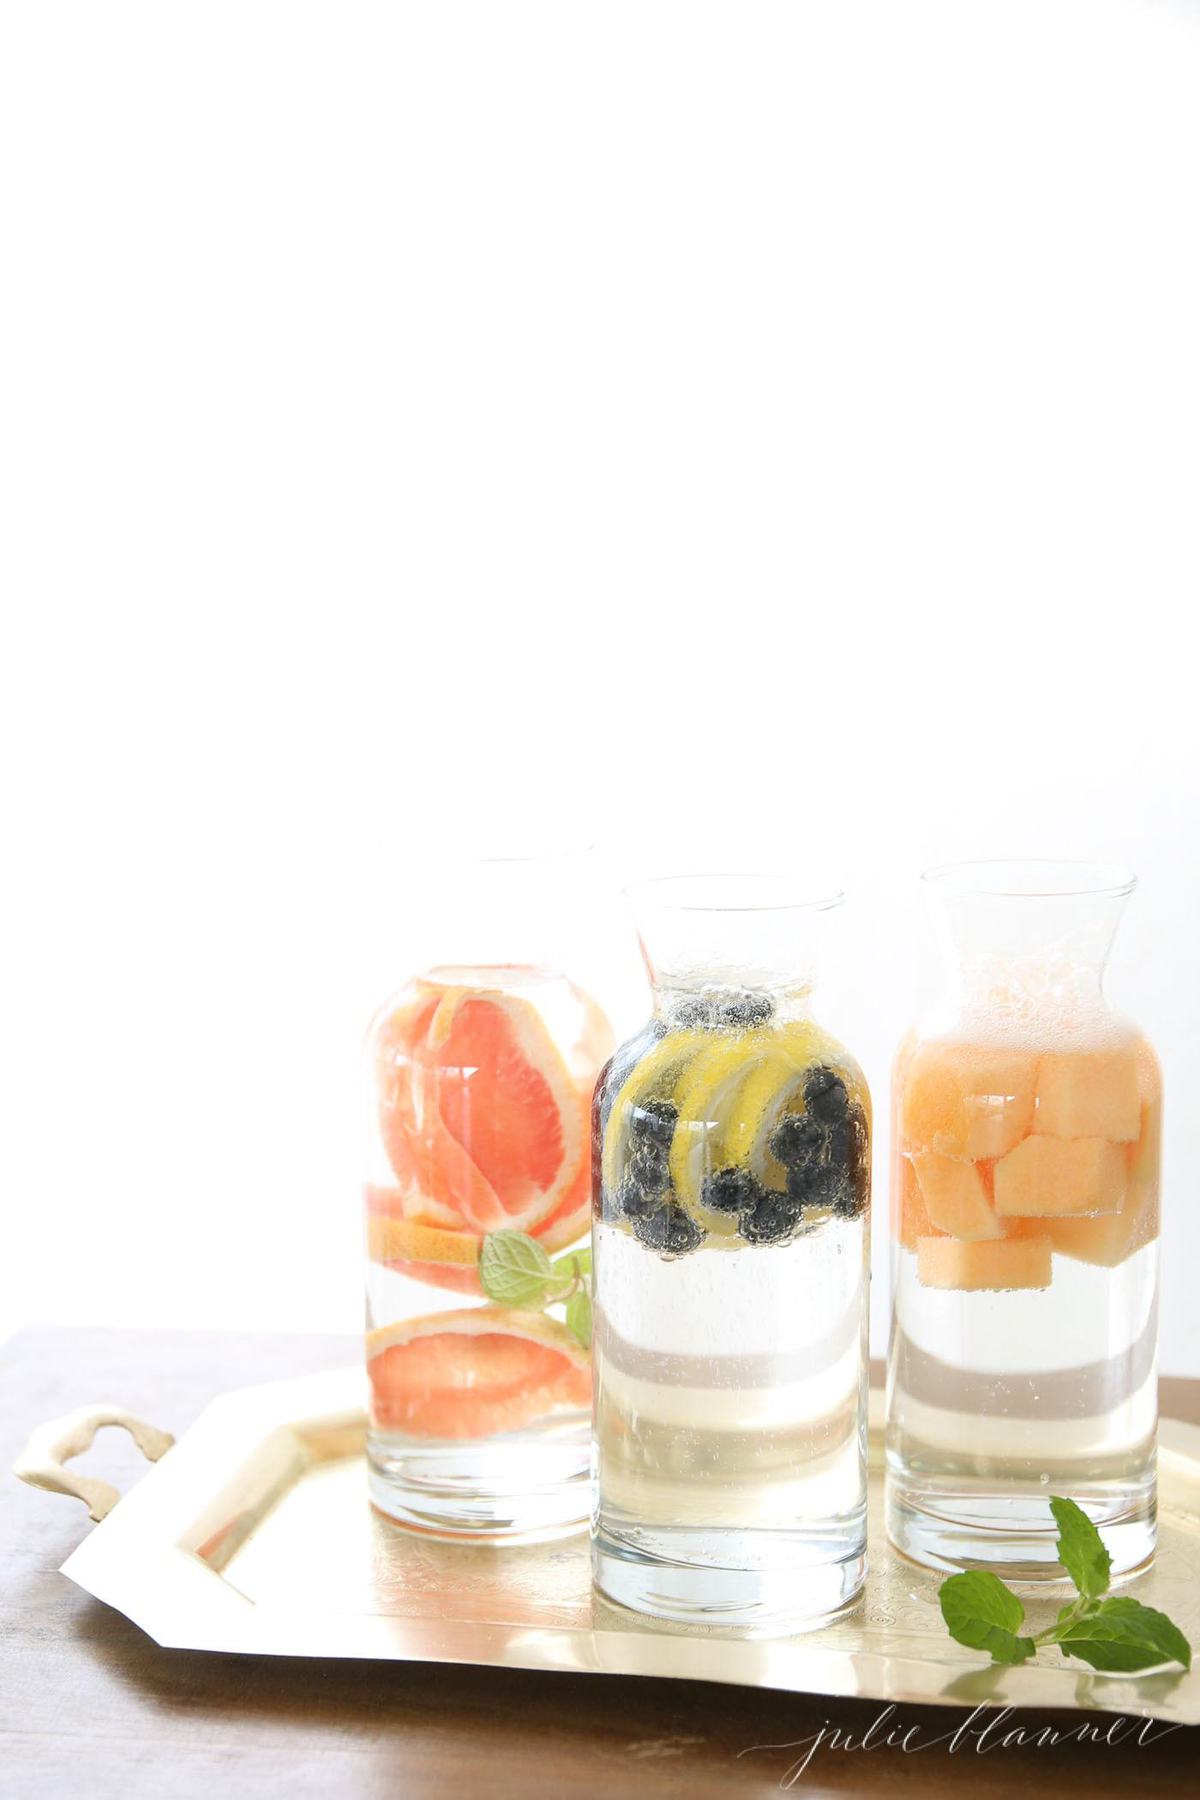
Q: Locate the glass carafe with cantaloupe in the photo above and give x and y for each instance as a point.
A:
(478, 1083)
(1026, 1131)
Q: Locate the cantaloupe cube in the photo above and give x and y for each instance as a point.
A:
(944, 1262)
(969, 1101)
(1089, 1094)
(1050, 1177)
(956, 1196)
(1112, 1237)
(910, 1219)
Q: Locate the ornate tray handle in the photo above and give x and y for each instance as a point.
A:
(43, 1461)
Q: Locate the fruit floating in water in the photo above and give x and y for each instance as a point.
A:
(1001, 1265)
(1045, 1145)
(475, 1373)
(483, 1119)
(956, 1196)
(796, 1140)
(771, 1218)
(730, 1191)
(965, 1100)
(668, 1228)
(1060, 1177)
(910, 1215)
(733, 1127)
(725, 1009)
(1090, 1093)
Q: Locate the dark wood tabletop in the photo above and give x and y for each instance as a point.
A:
(91, 1707)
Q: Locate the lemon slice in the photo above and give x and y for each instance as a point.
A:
(776, 1083)
(706, 1096)
(653, 1076)
(728, 1099)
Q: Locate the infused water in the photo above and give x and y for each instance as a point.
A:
(1025, 1220)
(732, 1159)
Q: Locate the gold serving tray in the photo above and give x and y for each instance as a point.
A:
(254, 1534)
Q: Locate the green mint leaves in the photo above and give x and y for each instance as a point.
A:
(514, 1270)
(579, 1317)
(1123, 1634)
(1080, 1550)
(1111, 1632)
(980, 1611)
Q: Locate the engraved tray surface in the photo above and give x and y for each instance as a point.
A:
(254, 1534)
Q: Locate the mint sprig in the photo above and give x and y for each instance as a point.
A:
(1081, 1549)
(980, 1611)
(514, 1270)
(1112, 1632)
(579, 1317)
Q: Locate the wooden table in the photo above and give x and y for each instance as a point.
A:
(90, 1707)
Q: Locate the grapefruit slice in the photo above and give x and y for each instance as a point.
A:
(501, 1121)
(476, 1373)
(394, 1040)
(483, 1123)
(449, 1258)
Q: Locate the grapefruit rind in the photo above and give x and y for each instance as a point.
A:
(466, 1166)
(448, 1258)
(478, 1372)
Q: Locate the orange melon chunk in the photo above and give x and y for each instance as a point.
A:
(1089, 1094)
(1000, 1265)
(1110, 1238)
(968, 1101)
(1048, 1177)
(955, 1196)
(910, 1216)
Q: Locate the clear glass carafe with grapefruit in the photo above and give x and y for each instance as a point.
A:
(730, 1237)
(1027, 1119)
(479, 1077)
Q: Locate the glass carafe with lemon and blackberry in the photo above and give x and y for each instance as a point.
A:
(731, 1187)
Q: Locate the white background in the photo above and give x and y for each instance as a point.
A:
(738, 434)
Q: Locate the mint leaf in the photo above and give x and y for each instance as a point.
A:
(1120, 1634)
(1080, 1549)
(514, 1270)
(1116, 1635)
(580, 1260)
(985, 1615)
(579, 1317)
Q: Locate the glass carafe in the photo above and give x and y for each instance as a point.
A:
(1024, 1215)
(479, 1075)
(732, 1176)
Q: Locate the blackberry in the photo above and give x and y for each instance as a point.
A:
(729, 1190)
(848, 1139)
(725, 1009)
(815, 1184)
(796, 1140)
(653, 1122)
(825, 1095)
(841, 1142)
(648, 1168)
(694, 1014)
(747, 1010)
(669, 1229)
(858, 1167)
(771, 1219)
(634, 1203)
